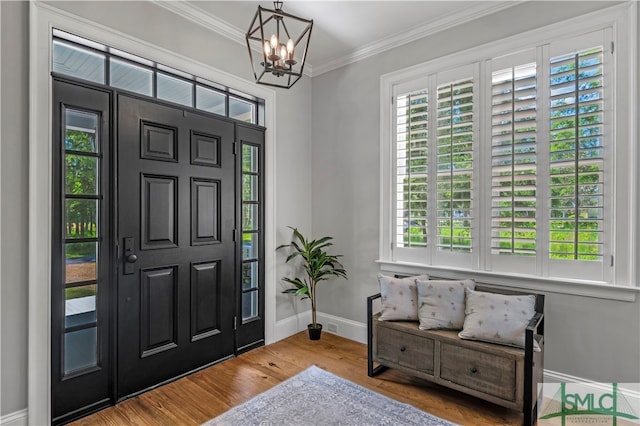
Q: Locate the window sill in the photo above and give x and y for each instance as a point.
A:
(552, 285)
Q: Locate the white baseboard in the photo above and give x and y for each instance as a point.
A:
(631, 391)
(18, 418)
(291, 325)
(346, 328)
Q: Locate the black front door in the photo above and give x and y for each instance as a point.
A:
(175, 233)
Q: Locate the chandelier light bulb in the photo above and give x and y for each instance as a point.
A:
(267, 48)
(290, 47)
(274, 41)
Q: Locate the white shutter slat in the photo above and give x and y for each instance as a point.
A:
(411, 173)
(513, 161)
(454, 164)
(576, 156)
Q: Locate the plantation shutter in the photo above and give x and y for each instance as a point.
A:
(513, 160)
(577, 156)
(579, 116)
(454, 164)
(410, 172)
(411, 169)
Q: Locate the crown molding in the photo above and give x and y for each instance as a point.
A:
(413, 34)
(203, 18)
(211, 22)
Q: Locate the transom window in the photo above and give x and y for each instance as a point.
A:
(86, 60)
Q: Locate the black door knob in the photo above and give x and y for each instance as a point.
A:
(132, 258)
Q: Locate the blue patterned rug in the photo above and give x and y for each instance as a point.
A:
(317, 397)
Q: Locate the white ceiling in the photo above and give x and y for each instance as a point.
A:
(343, 31)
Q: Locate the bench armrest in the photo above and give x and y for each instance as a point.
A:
(534, 328)
(371, 370)
(536, 323)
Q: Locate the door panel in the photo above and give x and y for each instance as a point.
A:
(176, 215)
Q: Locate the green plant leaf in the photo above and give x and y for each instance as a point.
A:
(318, 265)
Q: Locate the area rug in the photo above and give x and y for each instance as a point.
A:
(317, 397)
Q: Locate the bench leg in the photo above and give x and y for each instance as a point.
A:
(530, 415)
(372, 371)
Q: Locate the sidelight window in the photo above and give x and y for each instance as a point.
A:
(251, 231)
(82, 206)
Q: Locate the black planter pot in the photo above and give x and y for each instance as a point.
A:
(314, 333)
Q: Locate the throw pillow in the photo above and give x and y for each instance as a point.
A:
(399, 298)
(498, 318)
(441, 303)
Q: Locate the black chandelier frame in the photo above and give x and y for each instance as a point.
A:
(268, 69)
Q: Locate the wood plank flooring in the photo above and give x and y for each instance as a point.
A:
(198, 397)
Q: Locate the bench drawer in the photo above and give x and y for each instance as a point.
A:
(484, 372)
(405, 349)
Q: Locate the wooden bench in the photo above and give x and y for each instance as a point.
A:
(503, 375)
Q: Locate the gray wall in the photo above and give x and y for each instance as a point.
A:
(293, 154)
(582, 333)
(14, 196)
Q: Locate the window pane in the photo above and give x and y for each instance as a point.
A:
(81, 175)
(175, 90)
(250, 217)
(249, 305)
(249, 188)
(249, 246)
(78, 62)
(80, 305)
(249, 158)
(127, 76)
(411, 169)
(80, 131)
(81, 218)
(249, 275)
(241, 110)
(80, 349)
(80, 264)
(210, 100)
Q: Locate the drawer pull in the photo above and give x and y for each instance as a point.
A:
(473, 370)
(403, 348)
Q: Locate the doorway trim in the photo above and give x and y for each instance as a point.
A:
(42, 19)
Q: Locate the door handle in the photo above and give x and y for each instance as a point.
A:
(129, 256)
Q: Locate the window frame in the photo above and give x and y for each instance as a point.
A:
(621, 170)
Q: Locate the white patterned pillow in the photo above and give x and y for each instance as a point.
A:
(441, 303)
(399, 298)
(498, 318)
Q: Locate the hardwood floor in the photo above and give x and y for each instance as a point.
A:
(200, 396)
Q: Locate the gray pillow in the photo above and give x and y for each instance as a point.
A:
(441, 303)
(399, 298)
(498, 318)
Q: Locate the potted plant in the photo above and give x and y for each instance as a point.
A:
(318, 266)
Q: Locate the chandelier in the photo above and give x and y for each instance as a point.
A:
(282, 41)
